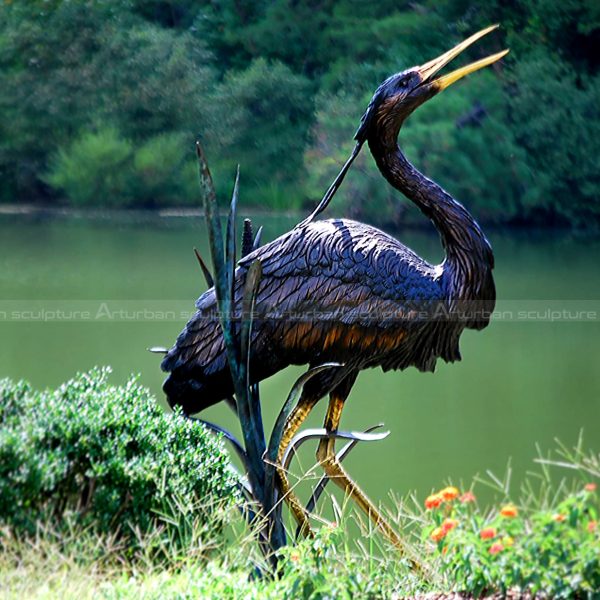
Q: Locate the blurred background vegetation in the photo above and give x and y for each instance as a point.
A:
(100, 102)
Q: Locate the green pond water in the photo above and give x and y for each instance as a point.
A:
(531, 377)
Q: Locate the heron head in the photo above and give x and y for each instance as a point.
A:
(399, 95)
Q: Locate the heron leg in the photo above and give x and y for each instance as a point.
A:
(293, 423)
(333, 468)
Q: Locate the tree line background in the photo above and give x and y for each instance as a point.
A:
(101, 100)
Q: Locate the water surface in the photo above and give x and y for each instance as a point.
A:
(522, 381)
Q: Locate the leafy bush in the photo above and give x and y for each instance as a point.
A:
(48, 92)
(550, 551)
(164, 85)
(95, 168)
(102, 457)
(164, 171)
(66, 67)
(104, 168)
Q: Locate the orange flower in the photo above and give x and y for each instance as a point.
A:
(590, 487)
(592, 526)
(509, 511)
(438, 534)
(449, 493)
(488, 533)
(559, 518)
(467, 497)
(496, 547)
(449, 525)
(295, 556)
(433, 501)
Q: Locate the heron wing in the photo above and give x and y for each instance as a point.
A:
(329, 290)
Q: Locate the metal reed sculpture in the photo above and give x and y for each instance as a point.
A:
(337, 295)
(258, 456)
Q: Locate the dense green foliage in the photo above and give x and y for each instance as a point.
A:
(102, 457)
(100, 102)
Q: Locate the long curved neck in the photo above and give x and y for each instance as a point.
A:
(468, 253)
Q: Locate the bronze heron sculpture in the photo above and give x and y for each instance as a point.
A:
(340, 291)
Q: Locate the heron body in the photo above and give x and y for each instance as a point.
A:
(345, 292)
(331, 291)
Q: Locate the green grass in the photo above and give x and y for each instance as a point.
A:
(326, 567)
(546, 541)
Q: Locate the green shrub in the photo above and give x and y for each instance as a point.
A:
(103, 168)
(65, 66)
(11, 396)
(165, 172)
(94, 169)
(104, 457)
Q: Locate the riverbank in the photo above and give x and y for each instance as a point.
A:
(291, 217)
(184, 212)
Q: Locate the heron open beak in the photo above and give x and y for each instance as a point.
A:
(429, 69)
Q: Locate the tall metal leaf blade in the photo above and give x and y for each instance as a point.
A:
(210, 282)
(215, 237)
(213, 223)
(224, 301)
(253, 277)
(206, 181)
(321, 433)
(257, 239)
(230, 246)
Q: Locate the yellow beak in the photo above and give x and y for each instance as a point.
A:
(433, 66)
